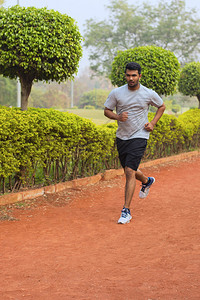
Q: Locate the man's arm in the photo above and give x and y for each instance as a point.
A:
(113, 116)
(158, 115)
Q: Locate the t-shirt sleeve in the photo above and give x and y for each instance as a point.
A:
(156, 100)
(111, 101)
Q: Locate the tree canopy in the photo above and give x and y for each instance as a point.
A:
(189, 83)
(38, 44)
(160, 68)
(167, 24)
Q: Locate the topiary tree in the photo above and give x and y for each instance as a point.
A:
(160, 68)
(189, 83)
(38, 44)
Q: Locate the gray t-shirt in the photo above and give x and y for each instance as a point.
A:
(136, 103)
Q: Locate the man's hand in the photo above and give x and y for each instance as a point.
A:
(149, 126)
(123, 116)
(113, 116)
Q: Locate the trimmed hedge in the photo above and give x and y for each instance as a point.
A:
(50, 145)
(45, 146)
(174, 135)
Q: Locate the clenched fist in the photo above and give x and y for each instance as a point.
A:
(123, 116)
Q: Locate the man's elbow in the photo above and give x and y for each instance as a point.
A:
(106, 112)
(162, 107)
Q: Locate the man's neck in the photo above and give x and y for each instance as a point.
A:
(134, 88)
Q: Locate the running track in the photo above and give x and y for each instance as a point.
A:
(69, 245)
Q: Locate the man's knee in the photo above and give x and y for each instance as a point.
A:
(130, 173)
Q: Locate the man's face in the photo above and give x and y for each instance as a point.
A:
(132, 78)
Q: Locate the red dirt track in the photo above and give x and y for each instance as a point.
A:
(69, 245)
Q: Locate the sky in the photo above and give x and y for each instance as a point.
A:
(82, 10)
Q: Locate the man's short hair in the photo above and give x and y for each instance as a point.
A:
(133, 66)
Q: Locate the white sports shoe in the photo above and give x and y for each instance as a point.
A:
(145, 187)
(125, 216)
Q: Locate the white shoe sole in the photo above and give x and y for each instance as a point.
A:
(124, 221)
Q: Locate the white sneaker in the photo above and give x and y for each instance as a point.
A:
(125, 216)
(145, 188)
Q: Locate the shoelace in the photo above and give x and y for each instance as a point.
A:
(125, 212)
(144, 186)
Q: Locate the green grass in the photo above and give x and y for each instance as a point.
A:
(95, 115)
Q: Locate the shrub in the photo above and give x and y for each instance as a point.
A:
(95, 98)
(89, 107)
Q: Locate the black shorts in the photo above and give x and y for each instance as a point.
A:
(131, 152)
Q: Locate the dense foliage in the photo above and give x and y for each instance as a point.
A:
(62, 145)
(38, 44)
(189, 83)
(41, 146)
(160, 68)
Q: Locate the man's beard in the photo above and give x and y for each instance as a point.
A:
(133, 84)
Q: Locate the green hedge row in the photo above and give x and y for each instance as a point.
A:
(174, 135)
(45, 146)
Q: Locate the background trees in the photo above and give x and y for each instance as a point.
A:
(160, 68)
(37, 44)
(167, 25)
(95, 98)
(8, 90)
(59, 95)
(189, 83)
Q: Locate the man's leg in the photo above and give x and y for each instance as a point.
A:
(129, 191)
(141, 177)
(146, 183)
(130, 185)
(130, 154)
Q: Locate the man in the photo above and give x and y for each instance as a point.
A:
(131, 102)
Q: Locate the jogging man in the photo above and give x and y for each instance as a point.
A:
(131, 102)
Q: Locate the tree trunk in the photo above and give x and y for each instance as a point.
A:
(26, 85)
(198, 97)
